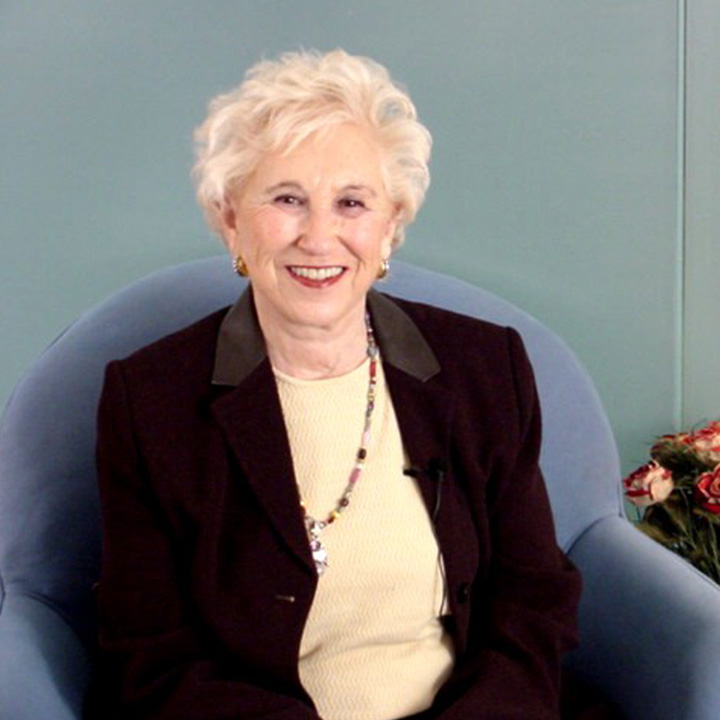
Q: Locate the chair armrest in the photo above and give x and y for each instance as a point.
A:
(650, 626)
(44, 668)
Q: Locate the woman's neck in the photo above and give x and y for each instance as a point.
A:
(314, 353)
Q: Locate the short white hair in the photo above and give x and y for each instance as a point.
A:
(285, 101)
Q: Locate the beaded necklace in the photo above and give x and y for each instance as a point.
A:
(315, 527)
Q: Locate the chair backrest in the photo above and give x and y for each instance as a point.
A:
(49, 516)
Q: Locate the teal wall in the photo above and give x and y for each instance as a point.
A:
(558, 172)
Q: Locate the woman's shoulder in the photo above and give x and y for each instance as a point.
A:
(184, 352)
(451, 326)
(468, 348)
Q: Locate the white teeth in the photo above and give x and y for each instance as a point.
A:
(316, 273)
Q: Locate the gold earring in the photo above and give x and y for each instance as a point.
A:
(384, 269)
(240, 267)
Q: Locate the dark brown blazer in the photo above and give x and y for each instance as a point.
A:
(207, 578)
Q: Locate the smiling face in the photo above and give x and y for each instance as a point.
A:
(313, 227)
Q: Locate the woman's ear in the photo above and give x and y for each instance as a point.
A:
(386, 246)
(228, 225)
(388, 242)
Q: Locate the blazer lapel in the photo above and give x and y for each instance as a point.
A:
(423, 407)
(251, 419)
(424, 414)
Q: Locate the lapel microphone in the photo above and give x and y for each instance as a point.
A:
(435, 471)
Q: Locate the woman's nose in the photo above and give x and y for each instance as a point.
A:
(318, 231)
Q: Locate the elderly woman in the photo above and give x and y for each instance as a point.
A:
(325, 502)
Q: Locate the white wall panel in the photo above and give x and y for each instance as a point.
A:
(702, 214)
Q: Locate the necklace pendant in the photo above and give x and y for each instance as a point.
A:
(320, 556)
(319, 553)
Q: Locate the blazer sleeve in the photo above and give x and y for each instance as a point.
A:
(524, 613)
(154, 663)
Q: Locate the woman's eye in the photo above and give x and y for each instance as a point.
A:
(352, 203)
(286, 199)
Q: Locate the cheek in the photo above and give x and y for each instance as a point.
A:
(373, 237)
(271, 233)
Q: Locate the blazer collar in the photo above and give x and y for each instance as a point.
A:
(241, 347)
(250, 414)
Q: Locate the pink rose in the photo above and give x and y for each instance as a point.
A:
(707, 490)
(648, 485)
(706, 441)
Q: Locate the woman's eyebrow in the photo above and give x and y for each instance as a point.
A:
(297, 187)
(359, 188)
(284, 185)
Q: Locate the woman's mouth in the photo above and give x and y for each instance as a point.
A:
(316, 277)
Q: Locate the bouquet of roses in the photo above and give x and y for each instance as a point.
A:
(678, 492)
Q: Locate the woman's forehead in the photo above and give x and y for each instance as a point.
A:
(346, 155)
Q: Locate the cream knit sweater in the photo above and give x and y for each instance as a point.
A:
(373, 647)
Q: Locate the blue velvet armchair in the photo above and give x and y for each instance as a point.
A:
(650, 624)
